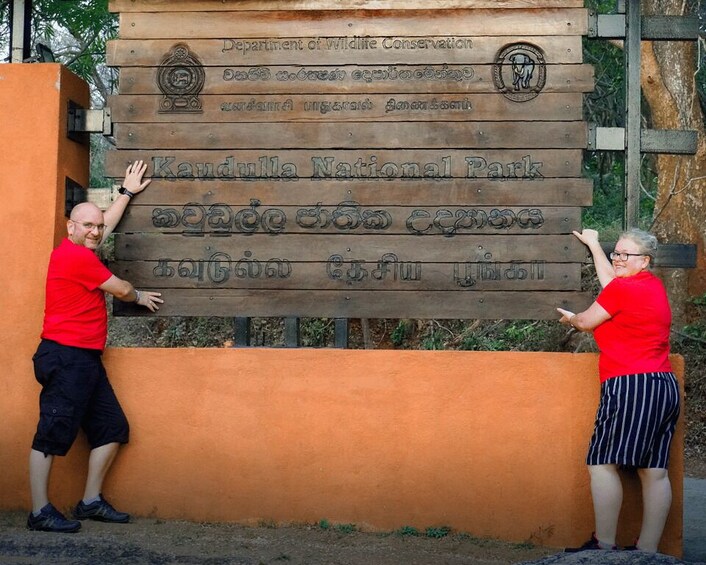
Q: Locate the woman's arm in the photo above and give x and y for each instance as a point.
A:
(604, 268)
(585, 321)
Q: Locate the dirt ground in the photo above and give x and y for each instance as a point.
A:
(156, 542)
(149, 541)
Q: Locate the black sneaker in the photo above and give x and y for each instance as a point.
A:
(51, 520)
(100, 510)
(592, 544)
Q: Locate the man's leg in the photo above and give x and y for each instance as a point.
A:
(39, 469)
(607, 493)
(93, 506)
(656, 501)
(99, 462)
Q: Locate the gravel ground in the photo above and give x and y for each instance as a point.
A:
(156, 542)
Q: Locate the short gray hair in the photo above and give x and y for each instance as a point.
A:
(644, 240)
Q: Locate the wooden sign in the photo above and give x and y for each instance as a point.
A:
(359, 158)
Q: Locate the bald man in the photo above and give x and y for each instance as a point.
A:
(75, 389)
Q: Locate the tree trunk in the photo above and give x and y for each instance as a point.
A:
(668, 86)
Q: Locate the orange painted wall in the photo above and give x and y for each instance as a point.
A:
(488, 443)
(35, 158)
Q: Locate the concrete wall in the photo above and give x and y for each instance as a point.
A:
(488, 443)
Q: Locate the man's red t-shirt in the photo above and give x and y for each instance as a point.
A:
(636, 338)
(75, 307)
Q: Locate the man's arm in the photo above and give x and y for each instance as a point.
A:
(134, 184)
(124, 291)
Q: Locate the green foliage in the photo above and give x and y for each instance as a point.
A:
(324, 524)
(510, 335)
(697, 329)
(437, 532)
(194, 332)
(269, 523)
(607, 173)
(407, 531)
(99, 146)
(402, 331)
(76, 31)
(434, 340)
(317, 332)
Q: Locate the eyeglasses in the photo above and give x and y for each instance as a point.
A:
(624, 256)
(88, 226)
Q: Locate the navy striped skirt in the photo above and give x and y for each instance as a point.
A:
(635, 421)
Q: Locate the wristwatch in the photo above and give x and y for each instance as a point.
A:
(125, 191)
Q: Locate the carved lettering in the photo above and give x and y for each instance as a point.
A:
(328, 167)
(449, 223)
(478, 167)
(253, 47)
(467, 274)
(356, 270)
(261, 106)
(434, 73)
(220, 267)
(394, 105)
(243, 47)
(265, 167)
(221, 219)
(326, 106)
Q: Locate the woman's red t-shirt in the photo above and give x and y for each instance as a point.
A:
(636, 337)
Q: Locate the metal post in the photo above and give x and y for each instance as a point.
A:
(241, 331)
(341, 333)
(20, 30)
(292, 336)
(633, 37)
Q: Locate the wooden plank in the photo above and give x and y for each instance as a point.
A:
(219, 25)
(339, 275)
(437, 135)
(258, 5)
(536, 305)
(453, 192)
(314, 247)
(351, 164)
(313, 108)
(348, 217)
(357, 79)
(334, 51)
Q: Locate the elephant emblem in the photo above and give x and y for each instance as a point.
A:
(520, 71)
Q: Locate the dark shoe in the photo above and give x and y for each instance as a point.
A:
(51, 520)
(630, 548)
(100, 510)
(592, 544)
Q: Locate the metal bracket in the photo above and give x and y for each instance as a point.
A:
(680, 142)
(669, 255)
(74, 194)
(606, 139)
(83, 121)
(606, 25)
(675, 28)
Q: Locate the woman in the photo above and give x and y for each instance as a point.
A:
(639, 403)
